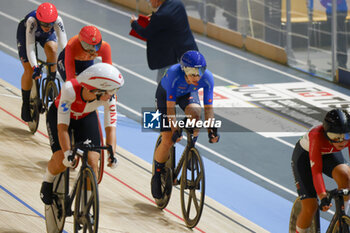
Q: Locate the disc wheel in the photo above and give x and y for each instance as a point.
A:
(166, 178)
(55, 214)
(192, 188)
(86, 211)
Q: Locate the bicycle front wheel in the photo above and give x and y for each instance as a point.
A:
(86, 210)
(51, 92)
(34, 103)
(192, 188)
(55, 214)
(345, 226)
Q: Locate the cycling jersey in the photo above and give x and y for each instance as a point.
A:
(33, 33)
(74, 52)
(71, 105)
(317, 145)
(175, 84)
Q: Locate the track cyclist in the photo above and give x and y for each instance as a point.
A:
(180, 85)
(319, 150)
(80, 52)
(43, 25)
(75, 109)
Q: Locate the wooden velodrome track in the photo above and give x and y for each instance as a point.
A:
(126, 204)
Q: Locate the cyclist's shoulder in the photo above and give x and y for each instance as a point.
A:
(31, 14)
(70, 88)
(208, 75)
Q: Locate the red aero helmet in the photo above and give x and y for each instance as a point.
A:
(90, 35)
(46, 13)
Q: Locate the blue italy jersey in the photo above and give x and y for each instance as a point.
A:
(175, 84)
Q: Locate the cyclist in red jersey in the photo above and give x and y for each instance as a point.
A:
(80, 52)
(317, 152)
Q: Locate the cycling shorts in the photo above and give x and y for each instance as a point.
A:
(182, 101)
(80, 66)
(86, 128)
(21, 41)
(302, 170)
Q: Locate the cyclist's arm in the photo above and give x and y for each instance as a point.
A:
(63, 137)
(69, 62)
(105, 53)
(110, 121)
(61, 32)
(316, 164)
(63, 115)
(171, 114)
(111, 138)
(31, 27)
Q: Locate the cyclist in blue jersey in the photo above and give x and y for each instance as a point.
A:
(42, 25)
(180, 85)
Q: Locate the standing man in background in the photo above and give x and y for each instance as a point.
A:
(168, 35)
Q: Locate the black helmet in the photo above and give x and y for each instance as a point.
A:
(337, 121)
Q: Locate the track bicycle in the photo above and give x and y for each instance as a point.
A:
(191, 180)
(340, 222)
(41, 99)
(83, 192)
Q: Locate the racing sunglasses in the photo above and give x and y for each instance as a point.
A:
(100, 92)
(46, 25)
(194, 71)
(90, 47)
(338, 138)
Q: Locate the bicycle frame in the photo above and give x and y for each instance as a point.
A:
(176, 170)
(338, 196)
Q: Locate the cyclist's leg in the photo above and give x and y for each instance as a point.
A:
(162, 151)
(50, 48)
(26, 84)
(305, 188)
(26, 80)
(308, 209)
(190, 104)
(55, 165)
(87, 129)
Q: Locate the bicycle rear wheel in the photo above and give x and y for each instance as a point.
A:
(293, 218)
(86, 210)
(166, 178)
(34, 102)
(51, 92)
(192, 188)
(55, 214)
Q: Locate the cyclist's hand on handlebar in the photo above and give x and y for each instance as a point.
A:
(213, 135)
(177, 136)
(325, 204)
(36, 72)
(112, 160)
(69, 160)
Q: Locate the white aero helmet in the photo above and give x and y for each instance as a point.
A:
(101, 76)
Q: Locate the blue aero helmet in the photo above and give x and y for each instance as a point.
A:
(193, 63)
